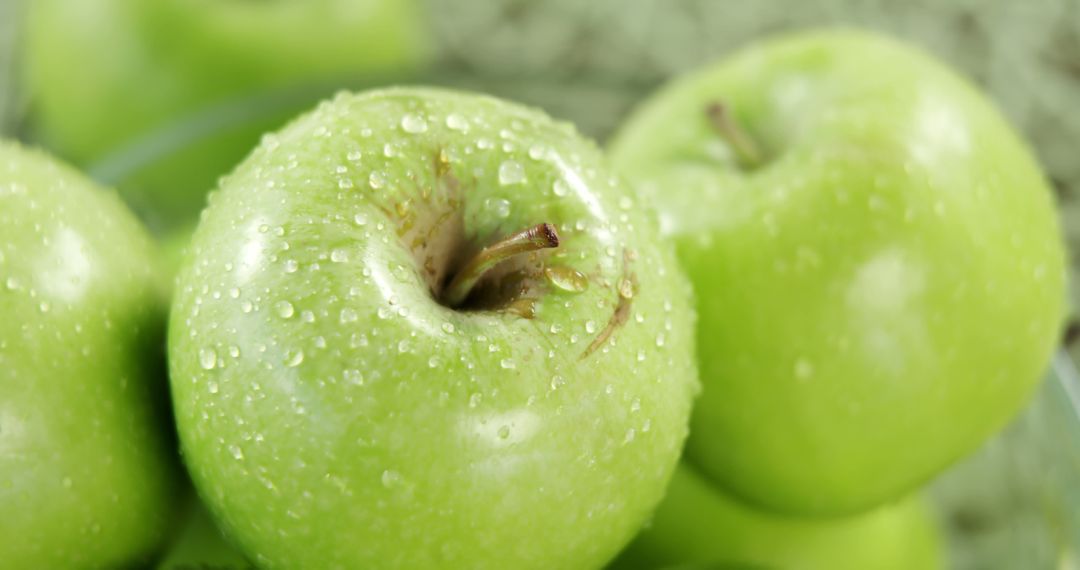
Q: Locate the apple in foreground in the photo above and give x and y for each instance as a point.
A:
(115, 81)
(419, 328)
(697, 524)
(87, 464)
(876, 259)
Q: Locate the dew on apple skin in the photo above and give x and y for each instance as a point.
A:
(284, 309)
(566, 279)
(207, 358)
(507, 364)
(291, 266)
(348, 315)
(560, 188)
(499, 206)
(236, 452)
(413, 124)
(360, 219)
(590, 327)
(246, 306)
(557, 381)
(456, 122)
(376, 180)
(294, 357)
(212, 387)
(511, 172)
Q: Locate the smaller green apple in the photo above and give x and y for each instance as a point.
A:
(698, 524)
(162, 97)
(200, 544)
(88, 467)
(878, 268)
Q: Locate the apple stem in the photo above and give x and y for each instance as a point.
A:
(536, 238)
(746, 150)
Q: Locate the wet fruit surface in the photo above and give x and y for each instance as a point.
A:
(87, 467)
(335, 412)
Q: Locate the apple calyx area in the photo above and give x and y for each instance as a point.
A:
(535, 238)
(747, 152)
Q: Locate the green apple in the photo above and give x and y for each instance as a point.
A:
(200, 545)
(88, 467)
(876, 258)
(113, 80)
(419, 328)
(697, 524)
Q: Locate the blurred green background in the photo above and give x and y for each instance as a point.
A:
(139, 125)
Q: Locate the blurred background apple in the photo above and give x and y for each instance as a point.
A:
(162, 96)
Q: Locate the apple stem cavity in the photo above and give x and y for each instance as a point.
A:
(536, 238)
(747, 152)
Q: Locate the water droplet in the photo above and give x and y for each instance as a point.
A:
(12, 283)
(433, 362)
(294, 357)
(590, 327)
(291, 266)
(390, 478)
(360, 219)
(504, 432)
(44, 306)
(536, 152)
(234, 351)
(511, 172)
(560, 188)
(625, 202)
(629, 437)
(448, 327)
(566, 279)
(641, 356)
(557, 381)
(507, 364)
(246, 306)
(354, 156)
(354, 377)
(804, 369)
(404, 346)
(500, 206)
(284, 309)
(348, 315)
(339, 255)
(376, 180)
(207, 358)
(413, 123)
(236, 452)
(212, 387)
(626, 288)
(456, 122)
